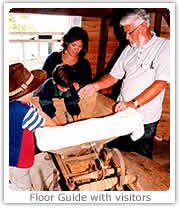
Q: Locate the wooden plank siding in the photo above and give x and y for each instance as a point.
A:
(92, 26)
(163, 130)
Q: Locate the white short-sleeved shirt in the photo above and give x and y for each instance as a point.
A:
(140, 67)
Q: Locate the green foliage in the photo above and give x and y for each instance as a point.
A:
(14, 26)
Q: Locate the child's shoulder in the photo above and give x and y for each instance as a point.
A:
(47, 86)
(18, 105)
(18, 110)
(48, 82)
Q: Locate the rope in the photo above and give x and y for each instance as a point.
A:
(97, 156)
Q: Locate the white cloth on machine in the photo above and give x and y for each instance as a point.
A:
(93, 129)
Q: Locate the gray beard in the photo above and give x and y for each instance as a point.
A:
(139, 43)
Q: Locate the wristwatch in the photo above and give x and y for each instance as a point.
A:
(136, 103)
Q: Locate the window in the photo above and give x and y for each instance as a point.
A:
(33, 36)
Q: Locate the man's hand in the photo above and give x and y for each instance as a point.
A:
(106, 81)
(87, 90)
(121, 106)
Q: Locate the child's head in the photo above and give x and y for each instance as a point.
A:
(22, 81)
(63, 77)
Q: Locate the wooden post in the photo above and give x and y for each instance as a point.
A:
(102, 46)
(167, 18)
(157, 23)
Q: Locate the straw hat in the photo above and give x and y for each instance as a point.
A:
(22, 81)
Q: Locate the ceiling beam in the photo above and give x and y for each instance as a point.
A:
(89, 12)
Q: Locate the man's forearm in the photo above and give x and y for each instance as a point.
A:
(146, 96)
(151, 92)
(105, 82)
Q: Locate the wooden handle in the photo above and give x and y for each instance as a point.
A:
(129, 179)
(106, 183)
(95, 174)
(99, 185)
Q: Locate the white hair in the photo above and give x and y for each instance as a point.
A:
(138, 16)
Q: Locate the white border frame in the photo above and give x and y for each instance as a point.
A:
(157, 196)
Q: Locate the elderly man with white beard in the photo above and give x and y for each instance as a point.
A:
(144, 66)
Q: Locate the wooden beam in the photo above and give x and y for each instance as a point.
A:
(88, 12)
(91, 12)
(163, 11)
(157, 23)
(102, 46)
(157, 10)
(167, 18)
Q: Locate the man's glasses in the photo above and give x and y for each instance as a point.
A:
(132, 31)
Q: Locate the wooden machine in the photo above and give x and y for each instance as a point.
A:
(93, 170)
(93, 167)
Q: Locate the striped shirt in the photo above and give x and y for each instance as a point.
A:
(24, 118)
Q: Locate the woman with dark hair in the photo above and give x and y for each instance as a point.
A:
(75, 47)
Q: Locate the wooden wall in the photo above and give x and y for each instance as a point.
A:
(92, 26)
(163, 130)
